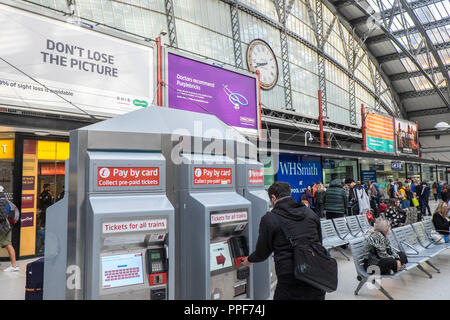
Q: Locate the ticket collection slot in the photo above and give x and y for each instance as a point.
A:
(228, 247)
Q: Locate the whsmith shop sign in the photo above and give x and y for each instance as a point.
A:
(100, 74)
(299, 171)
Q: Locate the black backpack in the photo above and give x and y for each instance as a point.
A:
(312, 262)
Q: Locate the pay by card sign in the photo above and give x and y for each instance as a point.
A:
(127, 176)
(212, 176)
(255, 176)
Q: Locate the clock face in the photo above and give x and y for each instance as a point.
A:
(261, 57)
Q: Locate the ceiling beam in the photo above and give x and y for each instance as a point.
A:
(427, 112)
(409, 55)
(413, 74)
(402, 55)
(418, 94)
(409, 31)
(387, 13)
(422, 30)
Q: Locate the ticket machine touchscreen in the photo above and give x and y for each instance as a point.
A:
(122, 270)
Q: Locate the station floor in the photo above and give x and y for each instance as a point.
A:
(411, 285)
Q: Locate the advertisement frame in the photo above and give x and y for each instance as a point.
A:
(213, 63)
(85, 25)
(367, 111)
(397, 150)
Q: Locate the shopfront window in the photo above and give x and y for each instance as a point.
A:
(413, 171)
(383, 171)
(339, 169)
(42, 186)
(6, 170)
(442, 174)
(429, 173)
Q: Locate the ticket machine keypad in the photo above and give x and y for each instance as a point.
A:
(120, 274)
(157, 267)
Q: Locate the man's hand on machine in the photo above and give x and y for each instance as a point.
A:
(245, 262)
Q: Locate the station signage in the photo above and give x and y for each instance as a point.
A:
(229, 217)
(256, 176)
(380, 133)
(134, 226)
(127, 176)
(300, 171)
(214, 176)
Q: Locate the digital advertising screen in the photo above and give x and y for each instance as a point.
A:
(205, 88)
(122, 270)
(220, 256)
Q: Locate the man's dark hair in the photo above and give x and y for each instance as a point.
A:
(47, 185)
(348, 181)
(279, 190)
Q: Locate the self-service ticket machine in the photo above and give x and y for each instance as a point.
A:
(214, 230)
(128, 237)
(118, 221)
(250, 184)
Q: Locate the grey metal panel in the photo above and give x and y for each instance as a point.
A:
(123, 207)
(109, 140)
(261, 271)
(55, 252)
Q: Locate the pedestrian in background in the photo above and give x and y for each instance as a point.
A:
(6, 232)
(319, 197)
(335, 200)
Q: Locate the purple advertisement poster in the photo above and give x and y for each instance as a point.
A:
(200, 87)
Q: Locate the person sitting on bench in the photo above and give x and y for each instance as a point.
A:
(378, 250)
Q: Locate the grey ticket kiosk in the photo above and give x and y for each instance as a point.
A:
(128, 233)
(214, 230)
(119, 238)
(250, 184)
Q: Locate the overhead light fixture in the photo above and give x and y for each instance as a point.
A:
(442, 126)
(42, 133)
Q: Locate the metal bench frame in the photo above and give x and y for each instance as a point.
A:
(330, 237)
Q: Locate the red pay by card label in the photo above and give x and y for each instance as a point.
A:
(212, 176)
(255, 176)
(127, 176)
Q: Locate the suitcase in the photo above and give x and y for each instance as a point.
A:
(34, 280)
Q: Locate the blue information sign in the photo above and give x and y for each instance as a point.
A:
(369, 175)
(299, 171)
(396, 165)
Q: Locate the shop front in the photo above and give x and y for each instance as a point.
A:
(7, 169)
(337, 168)
(300, 171)
(413, 171)
(382, 171)
(43, 171)
(442, 174)
(32, 173)
(429, 173)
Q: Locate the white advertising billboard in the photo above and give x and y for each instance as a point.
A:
(100, 74)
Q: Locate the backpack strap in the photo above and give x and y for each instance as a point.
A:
(284, 229)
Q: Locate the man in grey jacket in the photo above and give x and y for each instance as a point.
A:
(335, 200)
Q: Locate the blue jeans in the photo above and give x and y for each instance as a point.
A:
(405, 204)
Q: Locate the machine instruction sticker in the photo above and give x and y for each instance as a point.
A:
(228, 217)
(212, 176)
(127, 176)
(255, 176)
(134, 226)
